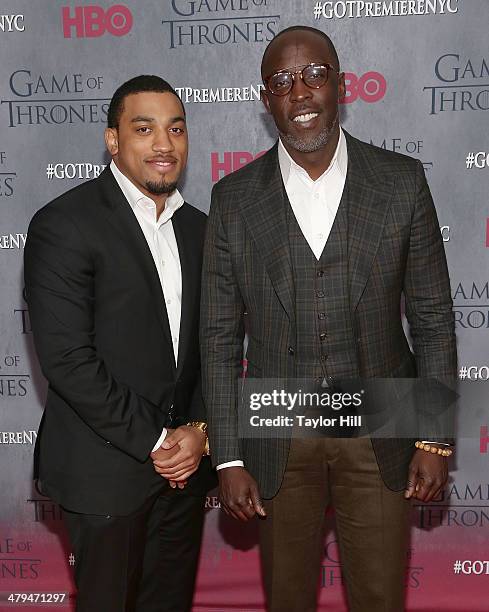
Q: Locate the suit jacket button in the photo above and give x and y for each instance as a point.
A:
(291, 350)
(107, 442)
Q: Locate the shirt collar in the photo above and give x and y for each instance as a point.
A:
(289, 168)
(136, 197)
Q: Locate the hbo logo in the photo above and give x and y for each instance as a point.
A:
(93, 21)
(370, 87)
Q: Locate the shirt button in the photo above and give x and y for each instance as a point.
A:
(320, 236)
(316, 196)
(320, 294)
(163, 262)
(168, 301)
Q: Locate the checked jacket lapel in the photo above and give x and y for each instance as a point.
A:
(367, 197)
(265, 217)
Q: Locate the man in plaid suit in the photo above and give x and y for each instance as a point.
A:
(317, 241)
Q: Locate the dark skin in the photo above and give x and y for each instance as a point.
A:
(297, 49)
(428, 473)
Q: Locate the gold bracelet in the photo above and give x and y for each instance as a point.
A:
(203, 428)
(444, 452)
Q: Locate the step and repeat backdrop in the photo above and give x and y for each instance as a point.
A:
(417, 82)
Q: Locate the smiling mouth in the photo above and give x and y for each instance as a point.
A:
(162, 163)
(162, 166)
(305, 118)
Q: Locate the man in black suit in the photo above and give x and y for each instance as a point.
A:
(317, 241)
(112, 275)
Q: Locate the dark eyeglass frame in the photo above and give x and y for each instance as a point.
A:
(299, 70)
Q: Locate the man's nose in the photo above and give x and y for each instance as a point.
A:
(300, 90)
(162, 141)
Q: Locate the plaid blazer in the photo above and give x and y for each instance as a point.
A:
(394, 248)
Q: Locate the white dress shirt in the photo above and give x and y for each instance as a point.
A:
(314, 203)
(162, 243)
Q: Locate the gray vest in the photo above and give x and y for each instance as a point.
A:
(325, 346)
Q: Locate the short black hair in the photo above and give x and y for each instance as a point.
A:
(143, 82)
(303, 28)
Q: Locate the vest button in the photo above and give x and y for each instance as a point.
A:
(291, 350)
(320, 273)
(322, 315)
(324, 357)
(320, 293)
(322, 337)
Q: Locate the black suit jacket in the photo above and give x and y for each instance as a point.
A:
(103, 340)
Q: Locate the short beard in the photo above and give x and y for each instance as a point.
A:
(314, 144)
(161, 187)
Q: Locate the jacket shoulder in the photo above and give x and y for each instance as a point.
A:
(380, 159)
(70, 204)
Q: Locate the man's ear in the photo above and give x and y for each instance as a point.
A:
(111, 141)
(265, 100)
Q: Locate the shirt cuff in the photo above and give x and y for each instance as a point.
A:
(160, 440)
(237, 463)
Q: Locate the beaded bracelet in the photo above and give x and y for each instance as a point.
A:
(444, 452)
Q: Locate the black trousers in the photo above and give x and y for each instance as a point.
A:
(144, 562)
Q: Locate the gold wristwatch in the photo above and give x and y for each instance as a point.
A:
(203, 428)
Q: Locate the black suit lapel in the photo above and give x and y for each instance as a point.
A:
(118, 212)
(265, 217)
(368, 198)
(190, 268)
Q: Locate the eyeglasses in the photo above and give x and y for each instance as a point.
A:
(313, 75)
